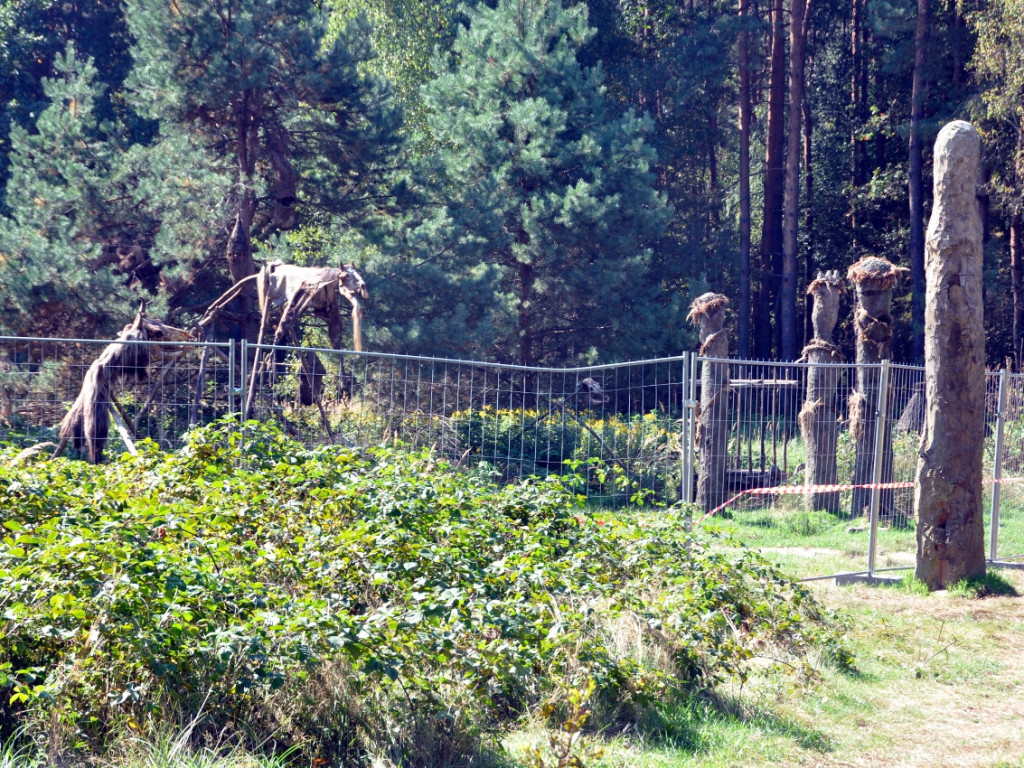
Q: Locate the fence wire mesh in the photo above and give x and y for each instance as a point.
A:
(41, 378)
(1004, 464)
(806, 451)
(518, 421)
(770, 450)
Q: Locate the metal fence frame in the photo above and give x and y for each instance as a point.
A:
(436, 393)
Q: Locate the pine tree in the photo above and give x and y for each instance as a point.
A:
(292, 127)
(70, 259)
(541, 199)
(33, 33)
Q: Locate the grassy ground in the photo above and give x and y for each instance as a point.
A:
(938, 678)
(938, 682)
(812, 544)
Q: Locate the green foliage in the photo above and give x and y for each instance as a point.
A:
(292, 127)
(405, 35)
(530, 442)
(913, 585)
(72, 196)
(540, 201)
(348, 599)
(33, 33)
(569, 746)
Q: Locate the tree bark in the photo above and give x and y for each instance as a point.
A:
(858, 104)
(1017, 285)
(915, 183)
(745, 308)
(948, 493)
(874, 279)
(809, 265)
(239, 252)
(819, 426)
(774, 180)
(708, 312)
(791, 206)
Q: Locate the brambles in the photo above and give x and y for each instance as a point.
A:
(351, 604)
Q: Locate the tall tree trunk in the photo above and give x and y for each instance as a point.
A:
(239, 250)
(791, 212)
(1017, 285)
(818, 423)
(525, 315)
(809, 265)
(774, 183)
(948, 493)
(708, 313)
(915, 181)
(858, 103)
(712, 175)
(874, 279)
(745, 308)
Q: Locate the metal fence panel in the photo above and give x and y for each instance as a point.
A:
(1006, 497)
(769, 492)
(641, 421)
(40, 378)
(517, 421)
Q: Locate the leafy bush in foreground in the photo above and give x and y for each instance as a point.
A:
(352, 604)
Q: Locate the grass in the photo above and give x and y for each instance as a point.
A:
(992, 583)
(168, 750)
(936, 683)
(936, 678)
(814, 543)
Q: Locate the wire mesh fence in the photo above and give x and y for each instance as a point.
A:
(823, 453)
(518, 421)
(41, 378)
(1004, 464)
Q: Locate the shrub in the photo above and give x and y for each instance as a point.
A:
(521, 443)
(347, 603)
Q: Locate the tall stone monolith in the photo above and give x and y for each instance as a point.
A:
(873, 279)
(947, 496)
(708, 313)
(819, 426)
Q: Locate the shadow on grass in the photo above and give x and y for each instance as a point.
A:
(992, 584)
(699, 724)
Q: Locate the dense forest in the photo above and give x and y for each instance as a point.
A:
(524, 181)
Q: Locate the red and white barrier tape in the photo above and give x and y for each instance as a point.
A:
(804, 489)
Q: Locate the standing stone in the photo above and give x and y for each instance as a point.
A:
(947, 496)
(818, 423)
(708, 313)
(874, 279)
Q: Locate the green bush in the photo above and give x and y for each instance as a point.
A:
(521, 443)
(350, 604)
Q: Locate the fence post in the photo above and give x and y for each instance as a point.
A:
(684, 429)
(231, 378)
(881, 423)
(245, 373)
(690, 416)
(997, 469)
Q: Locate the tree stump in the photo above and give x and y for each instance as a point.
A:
(874, 280)
(708, 313)
(818, 423)
(947, 497)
